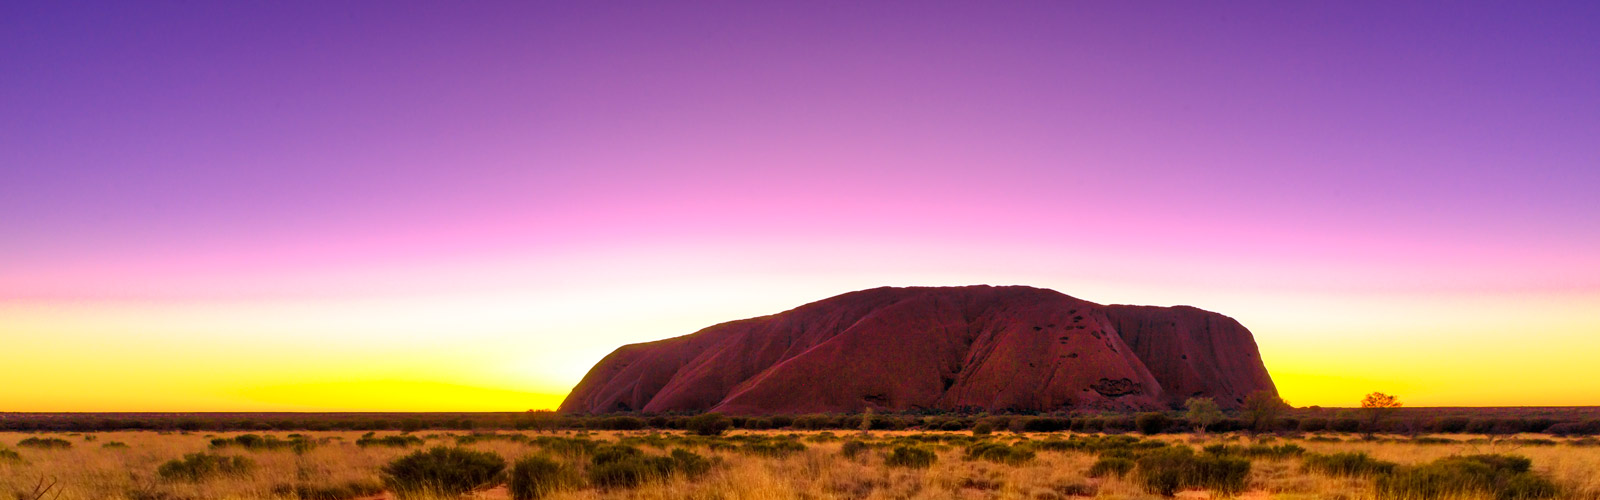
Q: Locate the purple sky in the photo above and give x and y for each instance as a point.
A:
(186, 151)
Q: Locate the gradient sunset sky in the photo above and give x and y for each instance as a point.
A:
(260, 206)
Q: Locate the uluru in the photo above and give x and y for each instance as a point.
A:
(958, 349)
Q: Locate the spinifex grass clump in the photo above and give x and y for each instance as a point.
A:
(854, 448)
(442, 471)
(535, 476)
(45, 443)
(9, 455)
(1352, 464)
(196, 467)
(1110, 466)
(911, 457)
(621, 466)
(1167, 470)
(394, 441)
(1506, 477)
(1000, 453)
(115, 445)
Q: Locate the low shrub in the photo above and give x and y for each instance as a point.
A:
(114, 445)
(853, 448)
(9, 455)
(253, 442)
(1167, 470)
(535, 476)
(1481, 426)
(1000, 453)
(1111, 466)
(1313, 425)
(45, 443)
(911, 457)
(1506, 477)
(1534, 442)
(1152, 423)
(814, 422)
(1045, 424)
(621, 423)
(442, 471)
(1352, 464)
(394, 441)
(982, 429)
(615, 453)
(1449, 425)
(196, 467)
(1117, 424)
(689, 463)
(710, 424)
(1589, 428)
(623, 474)
(1344, 425)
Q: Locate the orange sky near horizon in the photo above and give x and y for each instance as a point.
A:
(517, 351)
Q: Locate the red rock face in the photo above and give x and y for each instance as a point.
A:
(976, 348)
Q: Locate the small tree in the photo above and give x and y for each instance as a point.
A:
(1263, 408)
(1378, 405)
(1202, 413)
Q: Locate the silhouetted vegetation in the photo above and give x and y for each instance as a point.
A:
(195, 467)
(911, 457)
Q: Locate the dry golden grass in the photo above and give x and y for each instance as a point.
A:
(89, 472)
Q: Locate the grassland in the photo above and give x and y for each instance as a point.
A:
(746, 464)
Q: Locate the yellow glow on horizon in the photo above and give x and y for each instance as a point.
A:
(519, 351)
